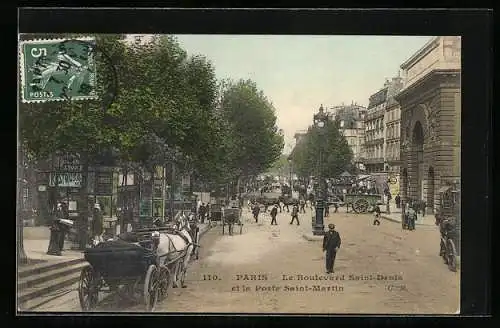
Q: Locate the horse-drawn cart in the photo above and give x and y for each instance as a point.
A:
(366, 192)
(361, 203)
(230, 217)
(132, 261)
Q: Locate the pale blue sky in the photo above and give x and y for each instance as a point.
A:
(298, 73)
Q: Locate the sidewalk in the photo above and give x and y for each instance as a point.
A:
(395, 216)
(36, 243)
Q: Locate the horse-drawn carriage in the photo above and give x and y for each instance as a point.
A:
(144, 264)
(448, 220)
(231, 217)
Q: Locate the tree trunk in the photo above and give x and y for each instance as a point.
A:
(83, 219)
(172, 192)
(21, 254)
(238, 186)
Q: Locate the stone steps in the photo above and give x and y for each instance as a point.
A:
(36, 283)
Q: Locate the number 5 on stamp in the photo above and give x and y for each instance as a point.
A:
(58, 69)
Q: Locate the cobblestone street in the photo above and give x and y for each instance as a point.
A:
(279, 256)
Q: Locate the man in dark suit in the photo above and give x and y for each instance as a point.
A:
(295, 214)
(255, 212)
(331, 244)
(274, 213)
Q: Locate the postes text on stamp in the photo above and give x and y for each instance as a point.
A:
(58, 70)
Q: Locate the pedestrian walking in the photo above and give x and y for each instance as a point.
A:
(255, 212)
(327, 209)
(285, 204)
(424, 205)
(56, 229)
(336, 205)
(331, 244)
(397, 199)
(202, 212)
(295, 214)
(412, 217)
(376, 211)
(274, 213)
(64, 214)
(97, 224)
(278, 203)
(302, 205)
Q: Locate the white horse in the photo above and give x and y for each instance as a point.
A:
(172, 244)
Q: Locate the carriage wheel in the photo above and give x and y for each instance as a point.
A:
(360, 206)
(452, 256)
(151, 288)
(88, 289)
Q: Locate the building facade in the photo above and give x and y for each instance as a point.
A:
(392, 121)
(430, 120)
(351, 118)
(374, 131)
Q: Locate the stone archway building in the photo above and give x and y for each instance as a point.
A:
(430, 120)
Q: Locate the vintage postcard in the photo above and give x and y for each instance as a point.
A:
(239, 174)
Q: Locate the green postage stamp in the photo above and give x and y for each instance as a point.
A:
(58, 70)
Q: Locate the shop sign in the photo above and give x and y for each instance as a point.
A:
(65, 179)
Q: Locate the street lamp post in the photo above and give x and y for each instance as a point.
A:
(291, 177)
(320, 121)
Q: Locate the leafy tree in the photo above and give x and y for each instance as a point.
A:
(280, 165)
(323, 150)
(74, 127)
(180, 92)
(256, 141)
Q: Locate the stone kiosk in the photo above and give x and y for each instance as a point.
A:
(430, 120)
